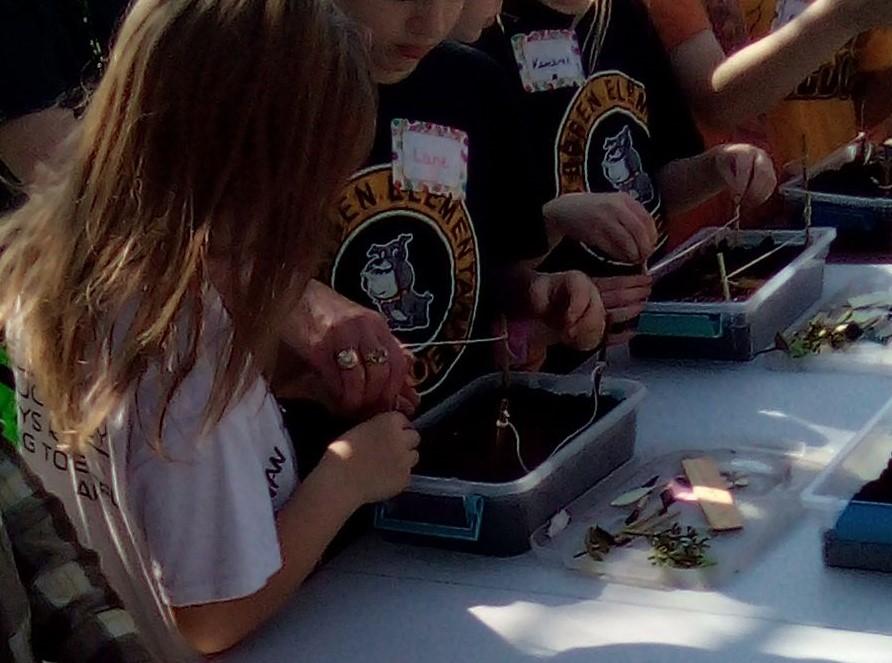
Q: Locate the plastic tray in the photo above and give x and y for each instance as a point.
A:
(768, 504)
(856, 534)
(863, 357)
(499, 517)
(860, 461)
(850, 214)
(735, 331)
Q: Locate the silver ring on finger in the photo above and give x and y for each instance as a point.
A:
(347, 359)
(377, 357)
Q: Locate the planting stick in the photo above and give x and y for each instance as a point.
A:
(712, 493)
(723, 273)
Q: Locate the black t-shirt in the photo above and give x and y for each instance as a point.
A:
(613, 132)
(430, 262)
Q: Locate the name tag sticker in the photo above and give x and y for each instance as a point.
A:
(430, 158)
(788, 10)
(548, 60)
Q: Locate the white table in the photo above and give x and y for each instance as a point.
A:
(382, 602)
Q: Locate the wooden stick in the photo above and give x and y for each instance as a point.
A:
(723, 273)
(711, 491)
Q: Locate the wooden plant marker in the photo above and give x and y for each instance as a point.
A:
(711, 491)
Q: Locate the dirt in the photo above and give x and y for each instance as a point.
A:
(469, 447)
(854, 179)
(698, 280)
(878, 491)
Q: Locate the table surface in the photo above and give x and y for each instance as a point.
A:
(384, 602)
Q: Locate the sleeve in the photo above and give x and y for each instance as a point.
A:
(43, 53)
(875, 53)
(203, 500)
(76, 614)
(677, 21)
(673, 129)
(516, 197)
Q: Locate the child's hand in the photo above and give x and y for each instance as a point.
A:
(569, 303)
(374, 460)
(613, 223)
(624, 298)
(747, 171)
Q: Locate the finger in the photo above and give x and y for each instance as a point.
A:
(621, 236)
(404, 406)
(641, 226)
(587, 333)
(625, 313)
(413, 439)
(614, 299)
(579, 290)
(413, 458)
(377, 374)
(608, 283)
(764, 180)
(397, 367)
(352, 380)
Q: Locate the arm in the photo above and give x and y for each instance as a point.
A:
(306, 525)
(370, 463)
(47, 554)
(746, 171)
(727, 91)
(26, 142)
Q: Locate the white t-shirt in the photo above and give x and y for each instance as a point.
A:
(192, 524)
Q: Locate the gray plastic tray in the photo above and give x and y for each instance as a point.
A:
(737, 330)
(501, 516)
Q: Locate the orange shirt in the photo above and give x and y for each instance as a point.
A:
(821, 108)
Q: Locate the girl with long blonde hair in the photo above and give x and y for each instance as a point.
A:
(144, 289)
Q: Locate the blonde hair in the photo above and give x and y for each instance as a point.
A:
(215, 141)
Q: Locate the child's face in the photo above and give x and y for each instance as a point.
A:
(475, 17)
(403, 31)
(571, 7)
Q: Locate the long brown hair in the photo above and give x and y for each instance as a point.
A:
(212, 147)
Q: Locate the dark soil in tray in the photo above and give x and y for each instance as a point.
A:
(465, 445)
(879, 491)
(853, 179)
(697, 279)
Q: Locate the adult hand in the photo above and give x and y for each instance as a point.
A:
(624, 299)
(362, 365)
(375, 459)
(613, 223)
(747, 171)
(569, 304)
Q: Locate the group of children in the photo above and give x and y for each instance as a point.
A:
(334, 201)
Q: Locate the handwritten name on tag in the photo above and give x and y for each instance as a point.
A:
(430, 158)
(548, 60)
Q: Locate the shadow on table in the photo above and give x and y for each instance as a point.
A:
(345, 618)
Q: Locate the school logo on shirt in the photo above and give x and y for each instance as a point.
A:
(600, 144)
(623, 168)
(412, 256)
